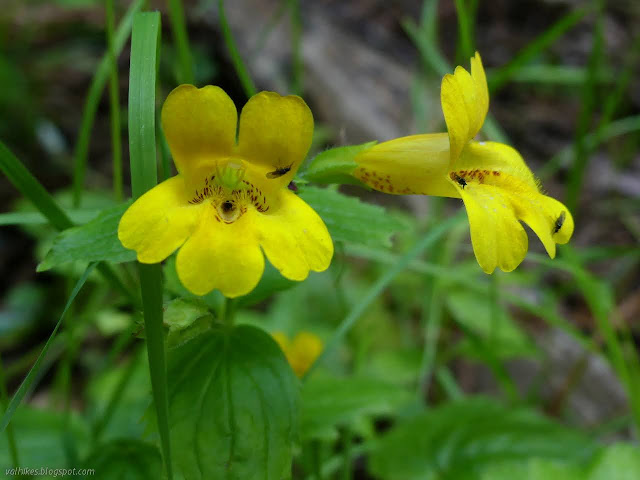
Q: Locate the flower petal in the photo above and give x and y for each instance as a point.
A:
(482, 89)
(199, 124)
(418, 164)
(498, 238)
(275, 134)
(294, 237)
(159, 221)
(465, 101)
(222, 256)
(547, 217)
(496, 157)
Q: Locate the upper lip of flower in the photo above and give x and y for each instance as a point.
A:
(224, 207)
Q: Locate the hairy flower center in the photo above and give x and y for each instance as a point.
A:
(230, 194)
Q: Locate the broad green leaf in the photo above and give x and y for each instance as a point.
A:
(335, 165)
(616, 462)
(331, 402)
(125, 459)
(501, 334)
(92, 242)
(350, 220)
(458, 439)
(233, 406)
(38, 434)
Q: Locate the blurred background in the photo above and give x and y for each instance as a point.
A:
(565, 92)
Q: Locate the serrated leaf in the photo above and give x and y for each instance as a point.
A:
(233, 406)
(125, 459)
(463, 437)
(331, 402)
(350, 220)
(92, 242)
(335, 165)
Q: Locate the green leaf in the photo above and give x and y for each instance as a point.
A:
(335, 165)
(460, 438)
(620, 462)
(185, 319)
(233, 406)
(534, 469)
(92, 242)
(125, 459)
(331, 402)
(350, 220)
(38, 435)
(473, 311)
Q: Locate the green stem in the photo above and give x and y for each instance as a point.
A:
(227, 312)
(114, 103)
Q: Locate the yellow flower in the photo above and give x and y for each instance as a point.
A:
(497, 187)
(301, 352)
(230, 199)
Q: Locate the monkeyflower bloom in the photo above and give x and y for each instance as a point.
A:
(229, 202)
(301, 352)
(494, 182)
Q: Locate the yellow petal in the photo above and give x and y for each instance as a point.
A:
(199, 124)
(275, 134)
(294, 237)
(498, 238)
(159, 221)
(546, 216)
(304, 350)
(221, 256)
(499, 166)
(495, 157)
(482, 90)
(465, 101)
(418, 164)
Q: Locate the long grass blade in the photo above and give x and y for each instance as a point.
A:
(114, 102)
(241, 70)
(33, 190)
(29, 380)
(145, 41)
(179, 28)
(93, 98)
(501, 76)
(382, 283)
(581, 152)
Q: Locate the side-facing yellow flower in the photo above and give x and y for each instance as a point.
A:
(494, 182)
(230, 199)
(301, 352)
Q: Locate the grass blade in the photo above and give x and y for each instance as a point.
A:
(181, 38)
(32, 189)
(581, 150)
(114, 102)
(145, 40)
(382, 283)
(93, 98)
(501, 76)
(241, 69)
(28, 382)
